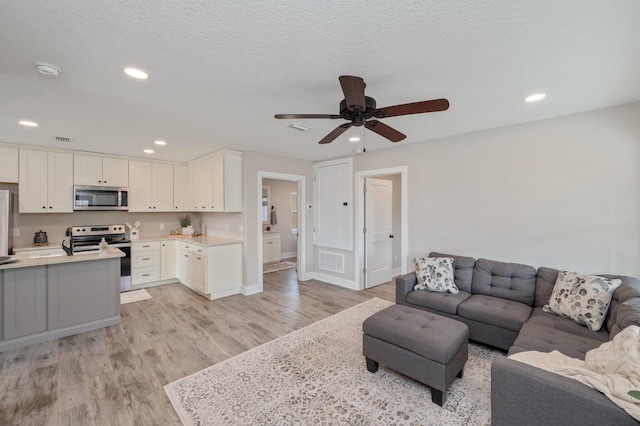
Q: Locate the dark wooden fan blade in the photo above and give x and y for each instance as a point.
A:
(353, 89)
(385, 131)
(335, 133)
(412, 108)
(288, 116)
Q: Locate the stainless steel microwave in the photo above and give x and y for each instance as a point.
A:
(100, 198)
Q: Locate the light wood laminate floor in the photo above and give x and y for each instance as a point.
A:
(115, 376)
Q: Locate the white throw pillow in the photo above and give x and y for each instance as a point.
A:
(435, 274)
(582, 298)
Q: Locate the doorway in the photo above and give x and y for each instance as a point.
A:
(381, 224)
(281, 218)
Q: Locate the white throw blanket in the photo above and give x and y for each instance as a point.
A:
(613, 368)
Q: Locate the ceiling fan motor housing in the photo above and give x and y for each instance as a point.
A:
(358, 117)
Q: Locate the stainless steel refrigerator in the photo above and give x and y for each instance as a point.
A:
(6, 224)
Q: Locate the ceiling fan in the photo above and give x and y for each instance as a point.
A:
(359, 110)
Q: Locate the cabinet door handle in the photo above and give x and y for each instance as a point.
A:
(145, 275)
(344, 204)
(146, 258)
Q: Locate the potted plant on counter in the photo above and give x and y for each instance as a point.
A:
(185, 223)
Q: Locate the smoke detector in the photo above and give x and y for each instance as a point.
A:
(47, 69)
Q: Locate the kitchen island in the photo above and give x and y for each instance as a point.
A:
(47, 297)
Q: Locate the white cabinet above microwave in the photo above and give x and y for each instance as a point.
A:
(100, 171)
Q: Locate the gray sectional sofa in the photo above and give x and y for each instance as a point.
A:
(501, 303)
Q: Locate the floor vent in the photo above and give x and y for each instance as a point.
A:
(332, 261)
(62, 139)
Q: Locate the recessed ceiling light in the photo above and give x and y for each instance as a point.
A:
(160, 142)
(136, 73)
(47, 69)
(148, 151)
(28, 123)
(535, 97)
(354, 139)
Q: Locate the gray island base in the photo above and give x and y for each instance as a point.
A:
(47, 299)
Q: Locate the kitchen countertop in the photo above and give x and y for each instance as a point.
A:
(25, 261)
(201, 240)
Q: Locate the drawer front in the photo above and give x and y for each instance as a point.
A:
(151, 245)
(192, 248)
(145, 275)
(142, 259)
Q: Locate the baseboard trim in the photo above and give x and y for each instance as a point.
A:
(44, 336)
(342, 282)
(249, 289)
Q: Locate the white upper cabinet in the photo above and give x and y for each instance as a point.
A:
(183, 189)
(333, 216)
(217, 182)
(9, 165)
(150, 187)
(45, 182)
(99, 171)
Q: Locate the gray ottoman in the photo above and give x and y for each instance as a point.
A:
(429, 348)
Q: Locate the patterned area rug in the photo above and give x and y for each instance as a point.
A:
(278, 266)
(317, 375)
(134, 296)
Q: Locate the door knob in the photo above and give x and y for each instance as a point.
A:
(390, 236)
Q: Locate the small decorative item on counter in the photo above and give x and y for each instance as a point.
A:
(185, 222)
(103, 246)
(134, 231)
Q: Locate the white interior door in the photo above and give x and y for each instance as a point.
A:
(378, 215)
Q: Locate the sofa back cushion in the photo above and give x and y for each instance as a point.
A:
(462, 269)
(628, 294)
(512, 281)
(545, 281)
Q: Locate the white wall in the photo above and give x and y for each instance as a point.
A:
(562, 193)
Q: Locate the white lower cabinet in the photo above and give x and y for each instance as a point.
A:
(168, 260)
(145, 262)
(214, 271)
(192, 266)
(271, 247)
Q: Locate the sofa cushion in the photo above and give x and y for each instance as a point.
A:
(443, 302)
(555, 322)
(583, 298)
(495, 311)
(435, 274)
(536, 337)
(545, 281)
(462, 269)
(627, 313)
(629, 289)
(511, 281)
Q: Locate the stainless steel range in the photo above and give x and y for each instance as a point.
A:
(88, 237)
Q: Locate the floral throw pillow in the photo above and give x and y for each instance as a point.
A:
(582, 298)
(435, 274)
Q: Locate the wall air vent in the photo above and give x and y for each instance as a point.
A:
(331, 261)
(62, 139)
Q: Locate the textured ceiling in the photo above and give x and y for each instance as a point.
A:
(219, 70)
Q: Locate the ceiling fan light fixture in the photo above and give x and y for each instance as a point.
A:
(298, 126)
(535, 97)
